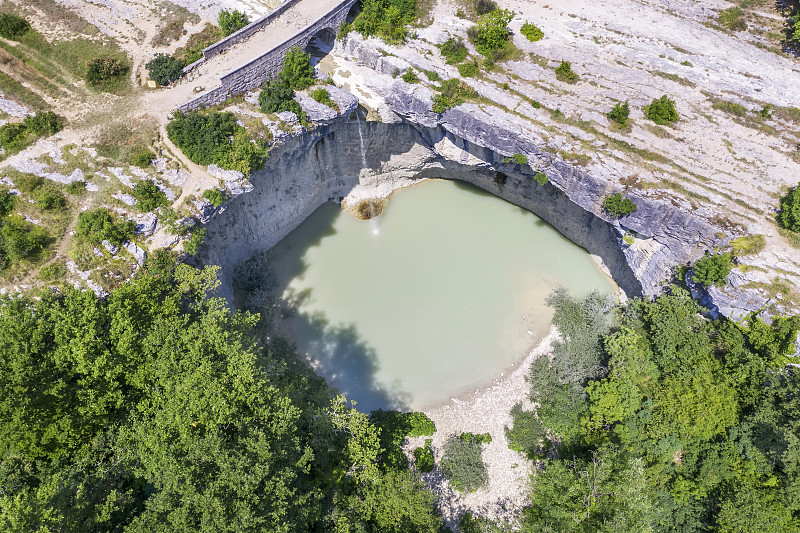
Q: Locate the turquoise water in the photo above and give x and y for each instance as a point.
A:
(442, 292)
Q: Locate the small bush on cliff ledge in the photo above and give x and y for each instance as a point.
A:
(564, 72)
(452, 93)
(532, 32)
(617, 206)
(619, 113)
(232, 21)
(789, 217)
(661, 110)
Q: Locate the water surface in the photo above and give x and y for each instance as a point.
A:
(442, 292)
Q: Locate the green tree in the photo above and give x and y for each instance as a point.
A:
(661, 110)
(463, 465)
(619, 113)
(12, 27)
(492, 32)
(164, 69)
(99, 224)
(617, 206)
(789, 216)
(22, 239)
(712, 269)
(297, 70)
(232, 21)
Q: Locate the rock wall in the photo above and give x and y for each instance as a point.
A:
(325, 164)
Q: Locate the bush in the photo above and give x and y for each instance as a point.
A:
(13, 27)
(468, 70)
(564, 72)
(7, 201)
(731, 19)
(730, 107)
(453, 50)
(193, 243)
(527, 435)
(451, 94)
(480, 438)
(617, 206)
(143, 159)
(164, 69)
(432, 75)
(462, 464)
(148, 196)
(99, 225)
(661, 110)
(324, 97)
(385, 19)
(712, 269)
(789, 216)
(22, 239)
(297, 69)
(423, 457)
(104, 70)
(485, 6)
(410, 76)
(492, 32)
(76, 187)
(517, 159)
(14, 136)
(394, 428)
(619, 113)
(232, 21)
(541, 178)
(52, 272)
(48, 197)
(215, 196)
(46, 123)
(532, 32)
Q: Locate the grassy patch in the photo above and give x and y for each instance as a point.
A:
(674, 77)
(748, 245)
(731, 108)
(732, 19)
(193, 50)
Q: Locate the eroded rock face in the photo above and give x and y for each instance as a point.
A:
(326, 164)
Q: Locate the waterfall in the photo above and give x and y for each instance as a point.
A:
(361, 140)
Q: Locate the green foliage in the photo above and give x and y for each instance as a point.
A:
(789, 215)
(106, 70)
(480, 438)
(7, 202)
(469, 523)
(527, 435)
(748, 245)
(452, 93)
(661, 110)
(485, 6)
(232, 21)
(730, 107)
(469, 70)
(155, 409)
(216, 196)
(732, 19)
(48, 196)
(394, 428)
(76, 187)
(143, 159)
(99, 224)
(532, 33)
(462, 464)
(517, 159)
(712, 269)
(619, 113)
(492, 32)
(385, 19)
(164, 69)
(45, 123)
(12, 27)
(617, 206)
(56, 271)
(453, 50)
(564, 72)
(20, 239)
(423, 457)
(324, 97)
(148, 196)
(215, 137)
(541, 178)
(410, 76)
(297, 70)
(198, 236)
(432, 75)
(15, 136)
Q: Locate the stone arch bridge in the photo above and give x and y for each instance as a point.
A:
(246, 59)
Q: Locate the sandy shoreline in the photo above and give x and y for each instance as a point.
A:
(485, 410)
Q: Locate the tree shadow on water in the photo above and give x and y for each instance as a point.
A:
(340, 354)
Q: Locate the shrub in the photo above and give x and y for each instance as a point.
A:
(297, 69)
(789, 216)
(532, 32)
(385, 18)
(52, 272)
(480, 438)
(201, 136)
(462, 464)
(617, 206)
(410, 76)
(148, 196)
(13, 27)
(324, 97)
(105, 69)
(215, 196)
(619, 113)
(143, 159)
(712, 269)
(99, 225)
(661, 110)
(492, 32)
(423, 457)
(485, 6)
(22, 239)
(527, 434)
(517, 159)
(344, 29)
(395, 427)
(164, 69)
(12, 136)
(730, 107)
(432, 75)
(15, 136)
(564, 72)
(232, 21)
(451, 94)
(46, 123)
(731, 19)
(76, 187)
(7, 201)
(48, 197)
(541, 178)
(468, 70)
(191, 245)
(454, 51)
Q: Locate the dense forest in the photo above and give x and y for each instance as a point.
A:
(155, 409)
